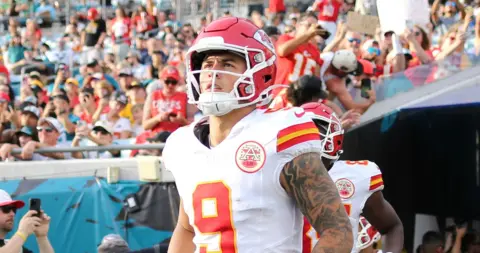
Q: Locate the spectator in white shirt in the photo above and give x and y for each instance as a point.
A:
(121, 126)
(100, 135)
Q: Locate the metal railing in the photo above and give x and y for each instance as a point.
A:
(94, 148)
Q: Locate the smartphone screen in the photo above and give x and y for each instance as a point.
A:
(365, 86)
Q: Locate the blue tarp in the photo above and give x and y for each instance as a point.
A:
(83, 210)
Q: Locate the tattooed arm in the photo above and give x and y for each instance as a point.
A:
(306, 180)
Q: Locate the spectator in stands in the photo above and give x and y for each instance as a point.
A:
(136, 94)
(49, 131)
(137, 114)
(139, 70)
(158, 138)
(119, 28)
(60, 107)
(113, 243)
(121, 126)
(29, 116)
(87, 106)
(432, 242)
(166, 109)
(25, 135)
(328, 11)
(100, 135)
(93, 35)
(453, 12)
(29, 224)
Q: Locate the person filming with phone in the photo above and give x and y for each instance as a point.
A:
(35, 222)
(166, 108)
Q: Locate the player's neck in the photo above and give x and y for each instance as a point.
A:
(220, 126)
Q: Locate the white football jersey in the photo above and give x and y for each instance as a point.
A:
(356, 181)
(232, 192)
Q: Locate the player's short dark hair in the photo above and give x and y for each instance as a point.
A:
(432, 240)
(306, 89)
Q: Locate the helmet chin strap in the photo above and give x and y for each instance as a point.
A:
(217, 103)
(221, 103)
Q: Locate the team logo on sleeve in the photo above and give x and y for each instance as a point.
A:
(250, 157)
(345, 187)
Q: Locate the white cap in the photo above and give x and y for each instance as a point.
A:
(32, 109)
(345, 60)
(52, 122)
(103, 124)
(6, 200)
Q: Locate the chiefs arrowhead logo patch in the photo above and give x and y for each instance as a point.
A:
(250, 157)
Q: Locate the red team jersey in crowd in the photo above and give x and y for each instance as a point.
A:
(328, 10)
(176, 103)
(356, 181)
(302, 61)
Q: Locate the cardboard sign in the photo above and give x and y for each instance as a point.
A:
(362, 23)
(398, 15)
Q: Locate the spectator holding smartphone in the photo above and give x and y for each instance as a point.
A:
(29, 224)
(166, 109)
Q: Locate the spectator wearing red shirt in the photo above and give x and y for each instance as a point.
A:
(166, 109)
(328, 11)
(276, 6)
(143, 22)
(120, 30)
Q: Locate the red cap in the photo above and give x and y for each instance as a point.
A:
(6, 200)
(4, 96)
(368, 67)
(170, 73)
(92, 14)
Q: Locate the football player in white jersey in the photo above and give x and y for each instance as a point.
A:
(359, 184)
(245, 175)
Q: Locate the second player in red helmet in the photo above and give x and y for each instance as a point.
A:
(359, 184)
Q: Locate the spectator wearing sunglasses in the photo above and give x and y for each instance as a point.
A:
(49, 130)
(100, 135)
(353, 40)
(419, 45)
(166, 109)
(29, 224)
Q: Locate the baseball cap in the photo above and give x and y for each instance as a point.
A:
(92, 14)
(6, 200)
(271, 30)
(53, 122)
(345, 60)
(32, 109)
(102, 125)
(119, 97)
(25, 130)
(368, 68)
(31, 99)
(160, 137)
(92, 62)
(72, 81)
(4, 97)
(35, 74)
(37, 83)
(135, 84)
(125, 72)
(170, 72)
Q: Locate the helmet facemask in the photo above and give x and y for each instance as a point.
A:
(329, 130)
(244, 90)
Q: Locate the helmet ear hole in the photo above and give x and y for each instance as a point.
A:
(267, 78)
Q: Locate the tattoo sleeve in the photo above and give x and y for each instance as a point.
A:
(306, 180)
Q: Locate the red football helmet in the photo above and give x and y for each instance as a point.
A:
(241, 37)
(330, 127)
(367, 235)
